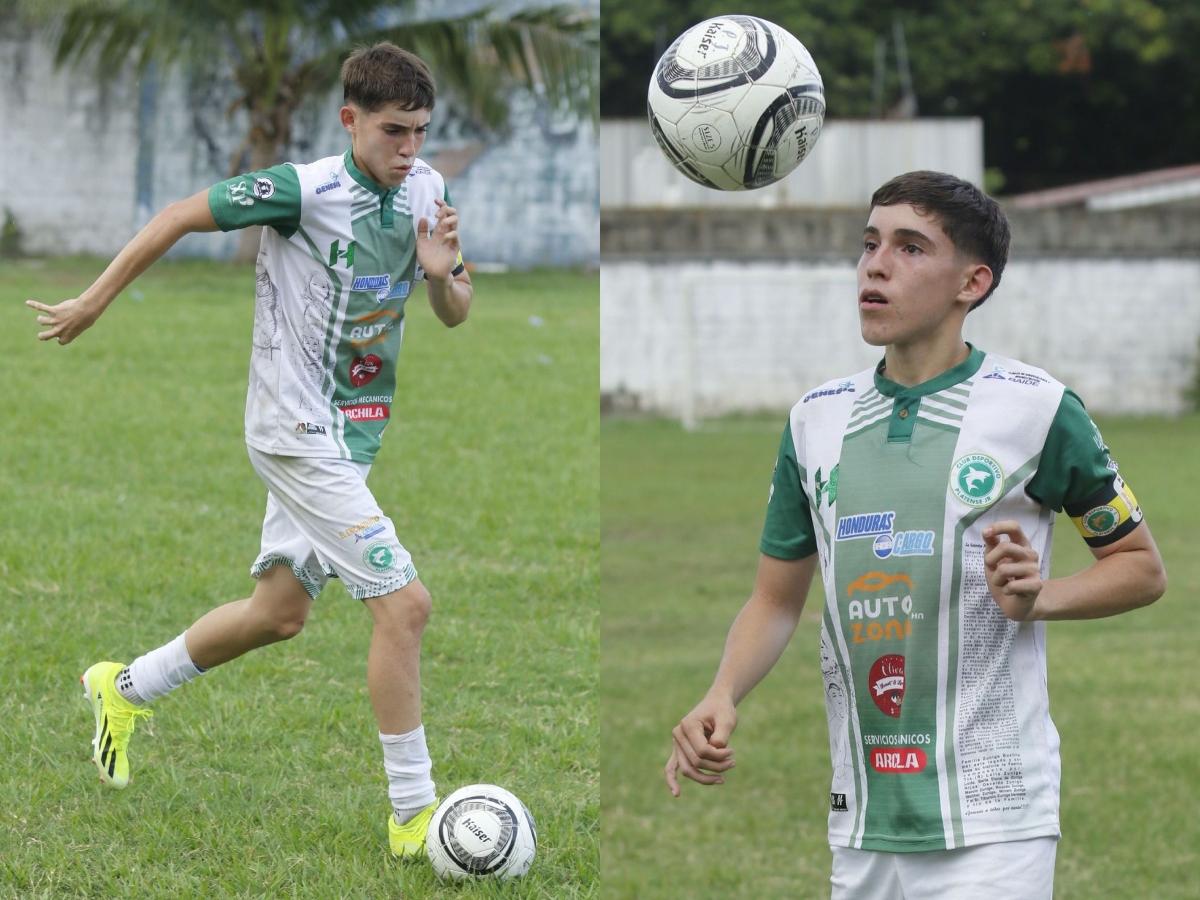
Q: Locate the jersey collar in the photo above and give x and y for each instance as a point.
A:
(364, 179)
(949, 378)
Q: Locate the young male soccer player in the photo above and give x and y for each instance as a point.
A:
(346, 239)
(925, 490)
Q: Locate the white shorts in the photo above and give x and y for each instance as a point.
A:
(1011, 870)
(322, 520)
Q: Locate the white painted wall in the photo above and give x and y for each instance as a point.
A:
(69, 151)
(851, 159)
(695, 340)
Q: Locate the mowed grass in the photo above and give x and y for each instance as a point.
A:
(129, 509)
(681, 517)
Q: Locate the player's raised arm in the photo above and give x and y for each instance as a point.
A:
(700, 742)
(65, 321)
(440, 255)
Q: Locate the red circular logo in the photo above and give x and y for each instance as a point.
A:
(364, 369)
(886, 683)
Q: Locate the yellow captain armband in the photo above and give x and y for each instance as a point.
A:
(1108, 515)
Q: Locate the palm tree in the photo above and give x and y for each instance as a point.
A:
(279, 53)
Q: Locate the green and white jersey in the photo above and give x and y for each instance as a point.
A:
(939, 724)
(335, 269)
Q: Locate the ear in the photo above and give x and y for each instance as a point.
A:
(349, 118)
(977, 281)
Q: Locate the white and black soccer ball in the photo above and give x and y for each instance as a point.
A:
(481, 831)
(736, 103)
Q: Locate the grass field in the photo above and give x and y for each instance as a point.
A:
(681, 516)
(129, 508)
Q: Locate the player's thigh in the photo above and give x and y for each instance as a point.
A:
(864, 875)
(999, 871)
(331, 507)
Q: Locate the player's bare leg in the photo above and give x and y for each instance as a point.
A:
(275, 612)
(394, 683)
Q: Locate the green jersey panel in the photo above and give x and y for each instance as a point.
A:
(334, 273)
(788, 530)
(940, 734)
(1076, 473)
(267, 197)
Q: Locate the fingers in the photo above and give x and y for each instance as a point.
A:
(40, 307)
(1005, 528)
(690, 770)
(722, 729)
(669, 773)
(693, 733)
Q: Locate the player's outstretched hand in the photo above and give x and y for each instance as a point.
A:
(437, 249)
(1013, 569)
(66, 320)
(700, 749)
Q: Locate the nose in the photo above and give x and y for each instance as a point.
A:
(877, 265)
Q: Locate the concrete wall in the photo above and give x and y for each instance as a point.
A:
(86, 165)
(694, 339)
(850, 160)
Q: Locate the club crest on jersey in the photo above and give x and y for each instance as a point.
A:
(264, 188)
(976, 480)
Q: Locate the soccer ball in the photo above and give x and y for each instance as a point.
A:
(736, 103)
(481, 830)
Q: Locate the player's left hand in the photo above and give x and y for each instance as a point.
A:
(437, 252)
(1013, 569)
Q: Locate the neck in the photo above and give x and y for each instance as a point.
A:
(913, 364)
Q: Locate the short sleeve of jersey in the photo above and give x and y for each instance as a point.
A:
(788, 530)
(1076, 474)
(267, 197)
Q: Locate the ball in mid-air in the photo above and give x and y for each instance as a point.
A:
(736, 103)
(481, 830)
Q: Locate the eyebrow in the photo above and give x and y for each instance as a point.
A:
(904, 234)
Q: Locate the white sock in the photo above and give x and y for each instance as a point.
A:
(406, 761)
(158, 672)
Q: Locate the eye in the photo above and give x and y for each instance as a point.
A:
(912, 249)
(868, 246)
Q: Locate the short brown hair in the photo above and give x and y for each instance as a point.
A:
(973, 221)
(384, 73)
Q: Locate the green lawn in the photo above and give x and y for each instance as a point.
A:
(681, 516)
(129, 508)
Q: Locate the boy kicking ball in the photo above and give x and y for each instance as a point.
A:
(346, 238)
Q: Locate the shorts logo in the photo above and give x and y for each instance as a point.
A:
(837, 803)
(380, 557)
(850, 528)
(264, 188)
(886, 684)
(976, 480)
(363, 369)
(1101, 521)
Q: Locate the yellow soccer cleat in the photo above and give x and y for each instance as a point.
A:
(409, 839)
(115, 720)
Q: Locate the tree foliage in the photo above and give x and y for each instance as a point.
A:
(1067, 89)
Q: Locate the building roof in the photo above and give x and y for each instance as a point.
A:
(1145, 189)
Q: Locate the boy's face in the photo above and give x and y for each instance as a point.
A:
(912, 281)
(385, 141)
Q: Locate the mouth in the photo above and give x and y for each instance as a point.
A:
(871, 299)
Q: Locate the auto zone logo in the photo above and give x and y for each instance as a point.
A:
(885, 683)
(879, 616)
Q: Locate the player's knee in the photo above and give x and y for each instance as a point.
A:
(405, 611)
(285, 628)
